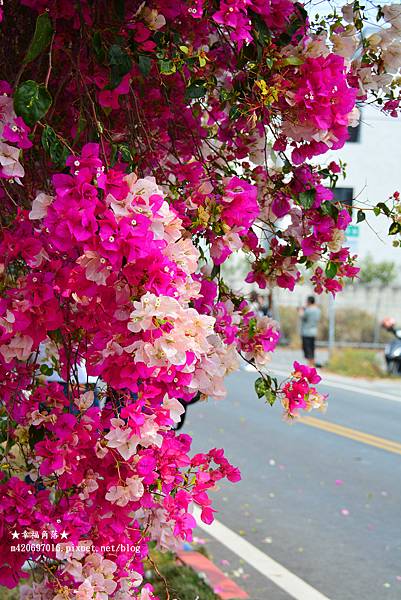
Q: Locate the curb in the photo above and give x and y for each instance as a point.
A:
(222, 586)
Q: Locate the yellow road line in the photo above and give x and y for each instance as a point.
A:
(353, 434)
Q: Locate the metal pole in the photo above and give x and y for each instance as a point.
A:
(376, 334)
(332, 325)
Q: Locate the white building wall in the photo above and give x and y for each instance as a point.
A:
(374, 173)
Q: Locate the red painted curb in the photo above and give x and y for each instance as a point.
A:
(220, 584)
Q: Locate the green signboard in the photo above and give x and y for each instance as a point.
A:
(352, 231)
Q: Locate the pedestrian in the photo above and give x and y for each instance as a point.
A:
(265, 304)
(310, 317)
(255, 303)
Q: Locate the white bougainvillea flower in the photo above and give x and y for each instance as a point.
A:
(9, 160)
(40, 206)
(19, 347)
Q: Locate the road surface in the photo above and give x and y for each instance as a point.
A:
(325, 503)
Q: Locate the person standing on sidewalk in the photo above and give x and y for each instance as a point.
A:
(310, 317)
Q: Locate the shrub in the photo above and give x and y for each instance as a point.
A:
(356, 362)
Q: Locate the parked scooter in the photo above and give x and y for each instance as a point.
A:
(392, 351)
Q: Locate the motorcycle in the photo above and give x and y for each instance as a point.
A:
(392, 351)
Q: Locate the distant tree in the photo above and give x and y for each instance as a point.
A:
(383, 272)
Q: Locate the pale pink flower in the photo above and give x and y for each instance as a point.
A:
(146, 594)
(95, 267)
(40, 206)
(19, 347)
(391, 56)
(85, 591)
(112, 348)
(184, 254)
(38, 591)
(122, 494)
(7, 321)
(348, 12)
(36, 261)
(392, 15)
(145, 188)
(153, 19)
(7, 113)
(151, 307)
(89, 484)
(74, 568)
(317, 45)
(9, 160)
(346, 42)
(166, 225)
(97, 563)
(36, 417)
(121, 438)
(149, 435)
(175, 408)
(85, 400)
(121, 208)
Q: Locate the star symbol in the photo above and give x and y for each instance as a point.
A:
(15, 535)
(64, 535)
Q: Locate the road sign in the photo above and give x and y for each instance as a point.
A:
(352, 231)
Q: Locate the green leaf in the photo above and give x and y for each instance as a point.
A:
(41, 38)
(269, 62)
(307, 198)
(360, 216)
(167, 67)
(331, 269)
(224, 95)
(120, 65)
(53, 146)
(263, 387)
(394, 228)
(98, 47)
(46, 370)
(328, 208)
(31, 101)
(114, 154)
(215, 272)
(252, 327)
(290, 249)
(145, 64)
(271, 397)
(197, 89)
(260, 387)
(260, 31)
(36, 434)
(376, 211)
(292, 60)
(234, 113)
(120, 9)
(383, 208)
(125, 152)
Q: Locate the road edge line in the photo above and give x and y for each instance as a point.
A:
(293, 585)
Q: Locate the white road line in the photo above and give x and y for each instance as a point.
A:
(279, 575)
(344, 386)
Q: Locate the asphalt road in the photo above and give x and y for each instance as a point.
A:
(326, 507)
